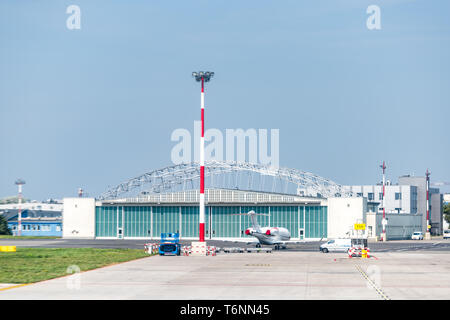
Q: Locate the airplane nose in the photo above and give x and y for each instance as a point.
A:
(247, 232)
(268, 232)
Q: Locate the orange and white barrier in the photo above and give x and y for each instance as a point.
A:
(351, 252)
(359, 252)
(151, 248)
(198, 248)
(211, 251)
(186, 250)
(193, 250)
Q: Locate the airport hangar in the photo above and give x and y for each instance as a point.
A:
(166, 200)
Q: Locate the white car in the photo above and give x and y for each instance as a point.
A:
(446, 234)
(417, 235)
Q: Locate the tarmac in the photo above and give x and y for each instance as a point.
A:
(280, 275)
(436, 244)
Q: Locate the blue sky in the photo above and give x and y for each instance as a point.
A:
(96, 106)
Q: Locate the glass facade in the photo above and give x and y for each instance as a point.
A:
(166, 219)
(220, 221)
(286, 217)
(315, 222)
(225, 222)
(189, 222)
(106, 221)
(136, 221)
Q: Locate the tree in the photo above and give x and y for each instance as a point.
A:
(447, 212)
(14, 199)
(4, 226)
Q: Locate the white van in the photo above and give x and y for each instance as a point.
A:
(336, 245)
(417, 235)
(446, 234)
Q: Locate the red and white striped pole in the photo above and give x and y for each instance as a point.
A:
(427, 174)
(202, 166)
(202, 77)
(383, 166)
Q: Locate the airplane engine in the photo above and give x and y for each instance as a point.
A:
(272, 232)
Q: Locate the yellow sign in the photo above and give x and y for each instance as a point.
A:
(7, 248)
(360, 226)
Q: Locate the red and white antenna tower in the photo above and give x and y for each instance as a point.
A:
(427, 174)
(202, 77)
(384, 221)
(20, 183)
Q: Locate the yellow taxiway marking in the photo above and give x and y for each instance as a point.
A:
(15, 286)
(378, 290)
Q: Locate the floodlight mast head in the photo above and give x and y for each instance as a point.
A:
(207, 75)
(20, 182)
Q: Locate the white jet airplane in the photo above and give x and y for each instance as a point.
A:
(277, 236)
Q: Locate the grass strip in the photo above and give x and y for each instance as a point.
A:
(29, 265)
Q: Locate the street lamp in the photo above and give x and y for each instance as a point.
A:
(384, 221)
(20, 183)
(205, 75)
(427, 233)
(202, 77)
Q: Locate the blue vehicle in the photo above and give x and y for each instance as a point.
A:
(170, 244)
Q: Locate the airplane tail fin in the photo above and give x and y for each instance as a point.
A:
(253, 219)
(252, 216)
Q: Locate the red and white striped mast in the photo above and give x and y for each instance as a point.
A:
(427, 174)
(202, 77)
(20, 183)
(383, 222)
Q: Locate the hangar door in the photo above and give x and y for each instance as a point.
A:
(225, 223)
(137, 221)
(106, 222)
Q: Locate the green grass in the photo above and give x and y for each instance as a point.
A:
(27, 237)
(29, 265)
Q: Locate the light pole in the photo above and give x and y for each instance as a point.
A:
(428, 234)
(20, 183)
(384, 221)
(202, 77)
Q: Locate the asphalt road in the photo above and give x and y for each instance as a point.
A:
(390, 246)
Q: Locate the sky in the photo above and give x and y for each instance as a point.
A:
(95, 106)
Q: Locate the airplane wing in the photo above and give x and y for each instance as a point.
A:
(289, 242)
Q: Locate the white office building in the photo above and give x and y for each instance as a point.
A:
(405, 207)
